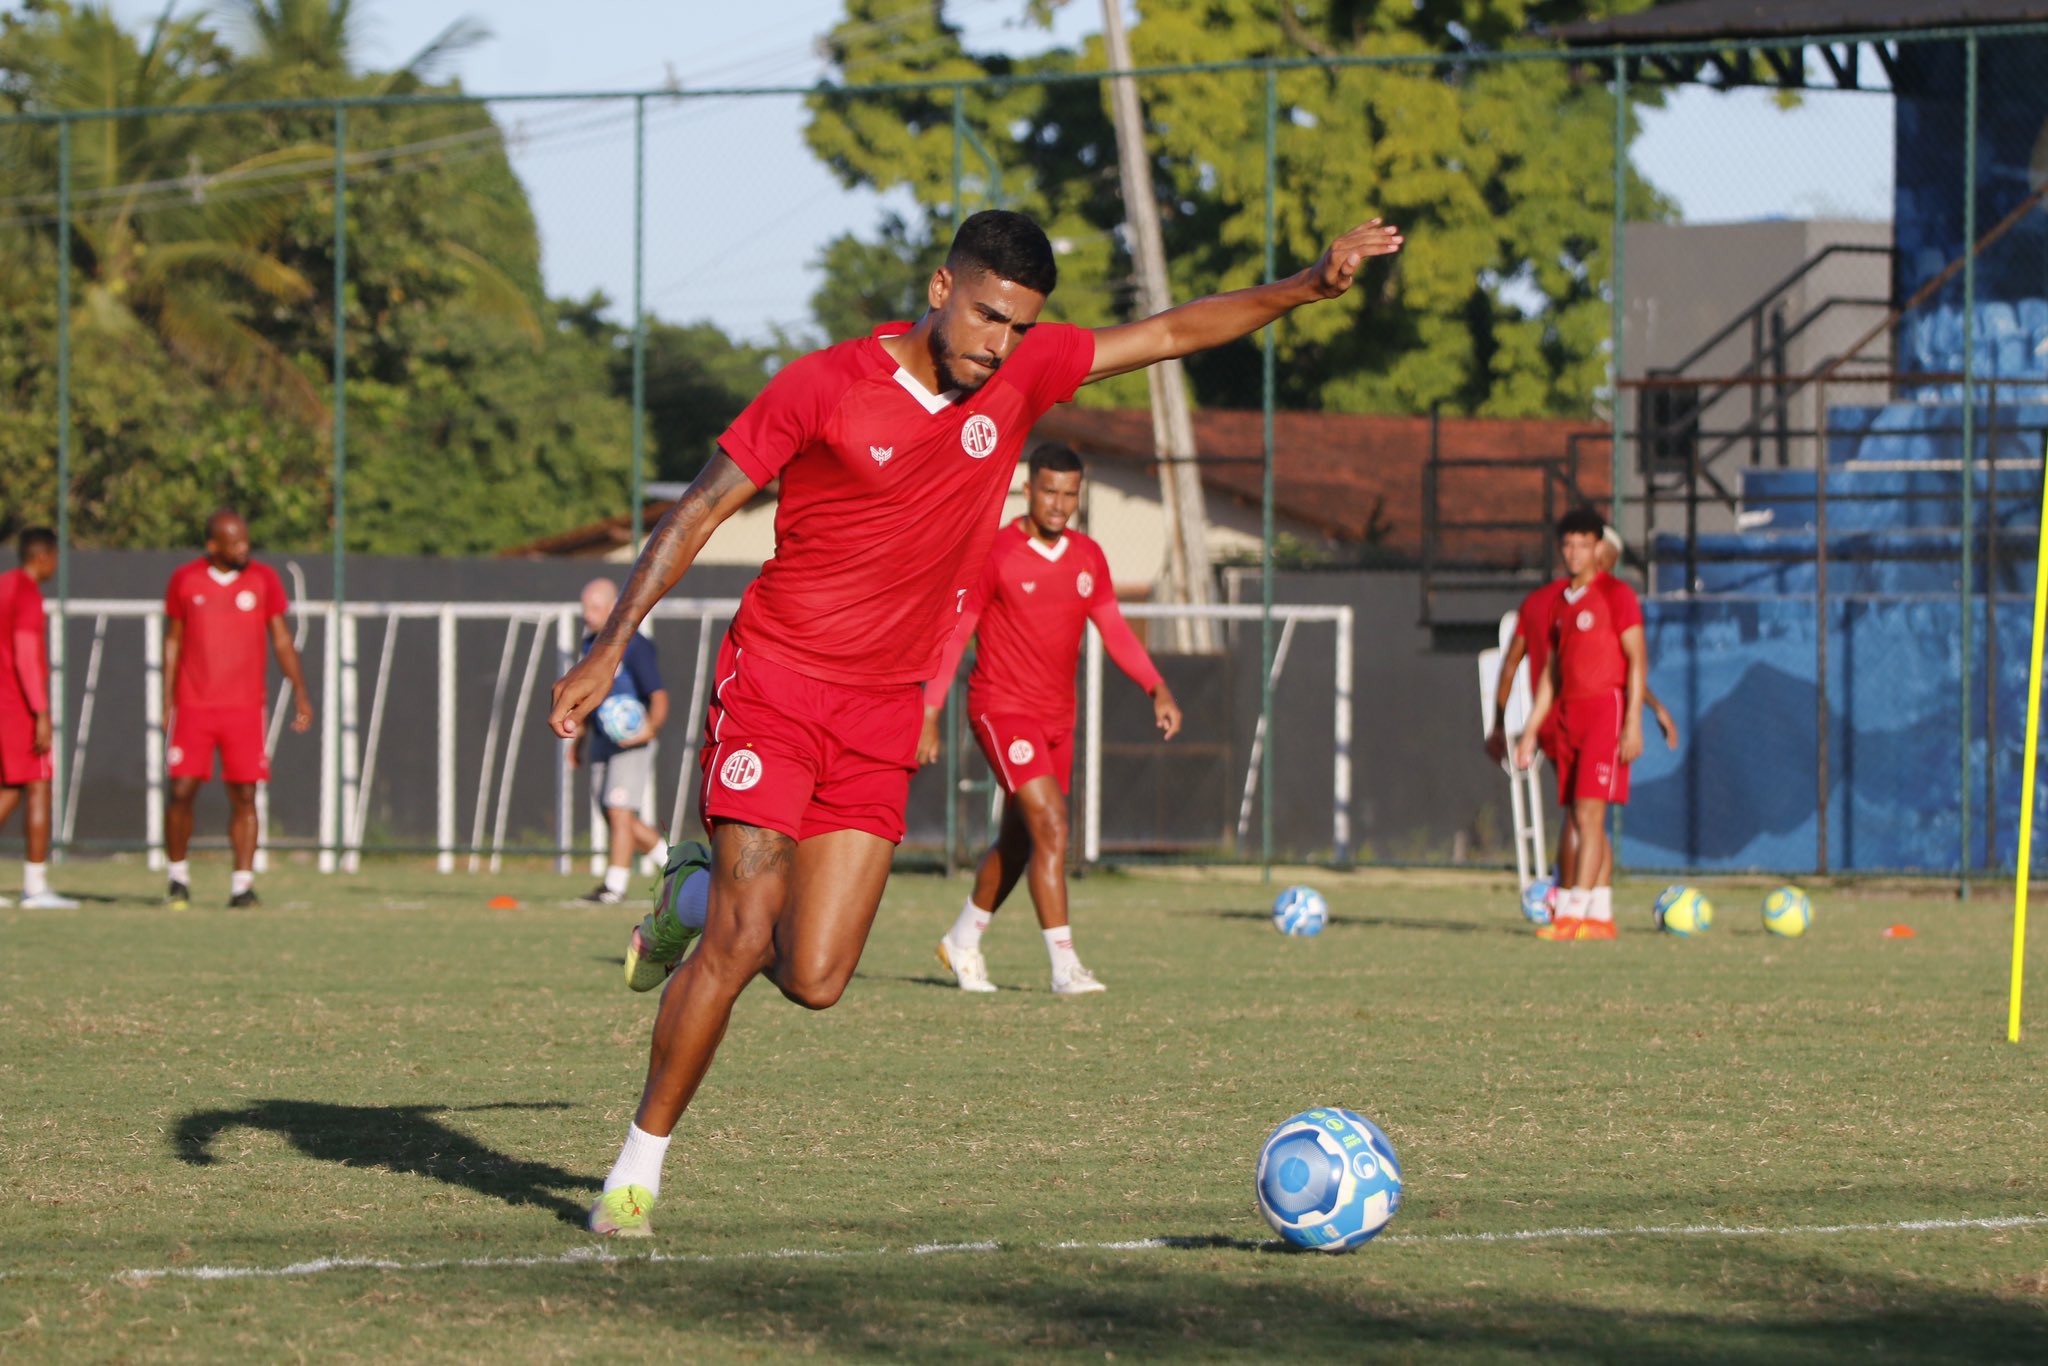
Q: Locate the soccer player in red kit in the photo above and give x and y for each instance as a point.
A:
(1041, 586)
(1594, 680)
(894, 453)
(1534, 621)
(221, 610)
(25, 765)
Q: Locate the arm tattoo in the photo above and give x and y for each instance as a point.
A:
(674, 544)
(761, 852)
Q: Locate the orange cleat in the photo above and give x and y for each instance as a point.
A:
(1561, 929)
(1596, 929)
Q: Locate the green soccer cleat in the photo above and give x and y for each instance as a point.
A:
(662, 937)
(623, 1213)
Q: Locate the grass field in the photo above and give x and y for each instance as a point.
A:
(1647, 1151)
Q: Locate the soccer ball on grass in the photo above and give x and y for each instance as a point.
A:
(1685, 912)
(1538, 900)
(1328, 1179)
(1787, 912)
(1300, 911)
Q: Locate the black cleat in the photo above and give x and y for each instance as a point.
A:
(242, 901)
(178, 898)
(603, 896)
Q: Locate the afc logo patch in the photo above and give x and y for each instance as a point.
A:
(1021, 751)
(1084, 583)
(1603, 774)
(741, 771)
(978, 437)
(246, 600)
(175, 756)
(1585, 621)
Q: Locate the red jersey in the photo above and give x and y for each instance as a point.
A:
(890, 496)
(1534, 621)
(223, 657)
(24, 662)
(1588, 636)
(1030, 605)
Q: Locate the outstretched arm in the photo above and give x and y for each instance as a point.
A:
(1222, 318)
(714, 495)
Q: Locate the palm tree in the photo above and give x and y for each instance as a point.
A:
(316, 43)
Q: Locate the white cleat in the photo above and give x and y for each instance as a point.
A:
(1079, 982)
(966, 965)
(48, 901)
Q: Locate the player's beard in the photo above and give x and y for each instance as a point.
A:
(943, 358)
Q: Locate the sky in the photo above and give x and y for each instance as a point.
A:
(737, 207)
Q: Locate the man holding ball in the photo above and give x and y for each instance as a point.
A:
(621, 764)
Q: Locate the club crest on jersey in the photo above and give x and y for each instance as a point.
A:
(741, 771)
(246, 600)
(882, 454)
(1084, 583)
(1021, 751)
(978, 437)
(1585, 621)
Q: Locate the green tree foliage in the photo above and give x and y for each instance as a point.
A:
(1502, 174)
(480, 413)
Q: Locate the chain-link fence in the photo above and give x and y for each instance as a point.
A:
(1726, 289)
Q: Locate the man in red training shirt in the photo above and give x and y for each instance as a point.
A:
(1594, 681)
(221, 611)
(1041, 586)
(1534, 621)
(25, 763)
(894, 451)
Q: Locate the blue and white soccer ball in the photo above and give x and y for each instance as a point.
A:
(1787, 912)
(1536, 900)
(1328, 1179)
(621, 717)
(1684, 911)
(1300, 911)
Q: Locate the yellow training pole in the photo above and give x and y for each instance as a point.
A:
(2026, 869)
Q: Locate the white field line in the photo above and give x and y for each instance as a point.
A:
(604, 1256)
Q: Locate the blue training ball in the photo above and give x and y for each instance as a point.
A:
(1328, 1179)
(1300, 911)
(1536, 900)
(621, 717)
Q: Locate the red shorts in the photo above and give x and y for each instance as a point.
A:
(1547, 738)
(237, 732)
(1589, 749)
(19, 762)
(792, 753)
(1019, 749)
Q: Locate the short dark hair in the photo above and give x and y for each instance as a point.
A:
(1060, 459)
(33, 539)
(1006, 244)
(1583, 520)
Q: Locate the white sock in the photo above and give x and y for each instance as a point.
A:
(35, 879)
(615, 879)
(693, 899)
(639, 1161)
(659, 853)
(966, 931)
(1601, 907)
(181, 871)
(243, 880)
(1059, 946)
(1571, 903)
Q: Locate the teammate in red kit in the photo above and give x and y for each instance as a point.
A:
(1594, 680)
(220, 610)
(894, 453)
(1535, 620)
(1041, 586)
(25, 766)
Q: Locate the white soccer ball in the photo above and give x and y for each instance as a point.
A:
(621, 717)
(1300, 911)
(1328, 1179)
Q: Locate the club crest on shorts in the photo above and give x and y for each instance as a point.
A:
(741, 771)
(1585, 621)
(1021, 751)
(978, 437)
(1084, 583)
(176, 755)
(618, 796)
(246, 600)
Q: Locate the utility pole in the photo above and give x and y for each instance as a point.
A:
(1186, 577)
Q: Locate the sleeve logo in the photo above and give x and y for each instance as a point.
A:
(1021, 751)
(1084, 583)
(741, 771)
(978, 437)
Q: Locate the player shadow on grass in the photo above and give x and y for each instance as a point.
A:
(398, 1138)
